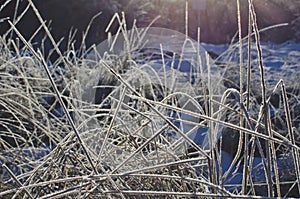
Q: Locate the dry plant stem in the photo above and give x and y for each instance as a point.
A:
(274, 160)
(48, 32)
(3, 19)
(265, 111)
(211, 132)
(15, 15)
(252, 189)
(259, 51)
(111, 123)
(41, 59)
(4, 4)
(163, 63)
(17, 20)
(272, 144)
(291, 134)
(34, 34)
(85, 33)
(16, 180)
(202, 73)
(246, 145)
(241, 54)
(128, 46)
(186, 18)
(238, 2)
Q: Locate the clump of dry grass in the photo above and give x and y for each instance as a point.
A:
(128, 145)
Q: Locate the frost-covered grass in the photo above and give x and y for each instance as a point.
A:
(137, 141)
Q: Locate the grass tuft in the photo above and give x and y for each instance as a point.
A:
(105, 123)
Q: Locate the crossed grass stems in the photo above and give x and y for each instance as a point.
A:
(127, 154)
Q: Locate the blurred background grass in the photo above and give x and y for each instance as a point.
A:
(218, 21)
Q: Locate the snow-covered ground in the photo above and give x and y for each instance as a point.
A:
(283, 57)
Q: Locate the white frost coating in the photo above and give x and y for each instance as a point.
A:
(153, 56)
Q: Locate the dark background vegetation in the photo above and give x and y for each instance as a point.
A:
(218, 22)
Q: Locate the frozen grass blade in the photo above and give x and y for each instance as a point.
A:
(16, 179)
(55, 44)
(246, 153)
(291, 134)
(264, 106)
(112, 123)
